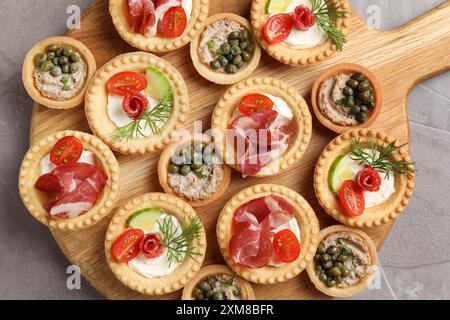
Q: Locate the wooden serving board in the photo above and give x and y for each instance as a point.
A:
(400, 58)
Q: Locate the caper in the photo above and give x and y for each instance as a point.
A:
(244, 35)
(371, 104)
(185, 170)
(241, 64)
(246, 56)
(364, 108)
(55, 71)
(55, 61)
(74, 67)
(204, 286)
(319, 268)
(65, 68)
(334, 257)
(74, 58)
(361, 117)
(215, 64)
(233, 43)
(63, 60)
(323, 277)
(338, 279)
(344, 271)
(357, 101)
(226, 48)
(356, 109)
(197, 292)
(338, 265)
(59, 51)
(235, 50)
(68, 51)
(352, 83)
(364, 95)
(250, 48)
(332, 250)
(46, 66)
(325, 257)
(53, 47)
(350, 102)
(231, 68)
(331, 282)
(347, 91)
(218, 296)
(364, 85)
(51, 55)
(200, 296)
(317, 256)
(211, 281)
(321, 249)
(173, 168)
(243, 45)
(196, 166)
(39, 58)
(223, 61)
(335, 271)
(327, 265)
(358, 76)
(237, 292)
(230, 58)
(233, 35)
(209, 293)
(237, 60)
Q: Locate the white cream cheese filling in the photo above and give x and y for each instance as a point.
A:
(46, 166)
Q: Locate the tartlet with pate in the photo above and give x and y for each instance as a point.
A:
(225, 50)
(155, 244)
(300, 32)
(267, 233)
(217, 282)
(69, 180)
(158, 25)
(262, 126)
(191, 169)
(136, 102)
(57, 71)
(345, 261)
(364, 178)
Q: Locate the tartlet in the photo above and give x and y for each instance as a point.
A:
(97, 96)
(217, 269)
(184, 272)
(119, 14)
(163, 164)
(33, 198)
(353, 289)
(306, 219)
(29, 67)
(293, 56)
(374, 216)
(301, 124)
(222, 77)
(347, 68)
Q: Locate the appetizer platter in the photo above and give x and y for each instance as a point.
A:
(305, 224)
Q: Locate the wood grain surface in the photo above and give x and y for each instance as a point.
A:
(399, 58)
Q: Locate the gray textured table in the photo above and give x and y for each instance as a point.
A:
(415, 258)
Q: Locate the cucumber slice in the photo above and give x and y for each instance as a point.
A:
(277, 6)
(144, 219)
(158, 85)
(340, 171)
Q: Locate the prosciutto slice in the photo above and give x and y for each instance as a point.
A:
(253, 226)
(136, 11)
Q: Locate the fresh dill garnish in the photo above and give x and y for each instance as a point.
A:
(380, 157)
(179, 244)
(327, 13)
(149, 119)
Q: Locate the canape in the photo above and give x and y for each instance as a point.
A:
(69, 180)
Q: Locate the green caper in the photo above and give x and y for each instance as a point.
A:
(74, 67)
(55, 61)
(331, 283)
(59, 51)
(196, 166)
(235, 50)
(56, 71)
(335, 271)
(39, 58)
(347, 91)
(230, 58)
(344, 271)
(352, 83)
(185, 170)
(196, 292)
(223, 61)
(357, 101)
(332, 250)
(234, 42)
(327, 265)
(321, 249)
(215, 64)
(350, 102)
(53, 47)
(319, 268)
(364, 108)
(173, 168)
(317, 256)
(202, 172)
(237, 292)
(63, 60)
(75, 58)
(231, 68)
(323, 277)
(46, 66)
(338, 265)
(218, 296)
(358, 76)
(243, 45)
(244, 35)
(68, 51)
(334, 257)
(211, 280)
(51, 55)
(361, 117)
(204, 286)
(246, 56)
(371, 104)
(250, 48)
(241, 64)
(338, 279)
(356, 109)
(226, 48)
(65, 68)
(237, 60)
(325, 257)
(364, 95)
(200, 296)
(364, 85)
(233, 35)
(209, 293)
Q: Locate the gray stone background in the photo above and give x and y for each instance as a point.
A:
(415, 258)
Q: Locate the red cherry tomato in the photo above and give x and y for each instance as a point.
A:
(123, 82)
(127, 246)
(286, 245)
(252, 102)
(303, 18)
(278, 28)
(351, 198)
(369, 179)
(66, 150)
(49, 183)
(151, 246)
(174, 22)
(134, 104)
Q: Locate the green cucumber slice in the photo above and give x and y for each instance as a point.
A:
(144, 219)
(158, 85)
(277, 6)
(340, 171)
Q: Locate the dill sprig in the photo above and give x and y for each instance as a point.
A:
(380, 157)
(179, 244)
(326, 13)
(149, 119)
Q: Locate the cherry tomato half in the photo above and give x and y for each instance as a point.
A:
(286, 245)
(351, 198)
(174, 22)
(278, 28)
(66, 150)
(369, 179)
(252, 102)
(151, 246)
(127, 246)
(303, 18)
(134, 104)
(127, 81)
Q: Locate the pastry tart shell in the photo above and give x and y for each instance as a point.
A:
(356, 288)
(301, 124)
(306, 219)
(374, 216)
(217, 269)
(120, 17)
(182, 274)
(29, 67)
(33, 198)
(295, 56)
(97, 101)
(163, 165)
(222, 77)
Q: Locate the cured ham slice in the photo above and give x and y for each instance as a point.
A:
(253, 230)
(148, 18)
(136, 11)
